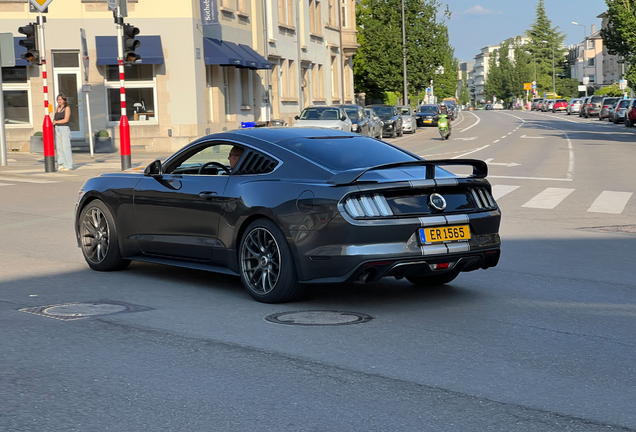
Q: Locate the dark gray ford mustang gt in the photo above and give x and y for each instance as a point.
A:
(300, 206)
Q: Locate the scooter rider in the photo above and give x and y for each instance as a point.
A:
(444, 110)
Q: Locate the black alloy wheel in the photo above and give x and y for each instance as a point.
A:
(98, 238)
(433, 281)
(266, 264)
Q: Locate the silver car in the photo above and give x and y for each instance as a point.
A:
(409, 123)
(547, 105)
(331, 117)
(618, 111)
(574, 106)
(376, 124)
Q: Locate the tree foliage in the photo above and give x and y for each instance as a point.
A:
(378, 64)
(464, 95)
(612, 90)
(620, 35)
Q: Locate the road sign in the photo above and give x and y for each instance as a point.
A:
(40, 5)
(7, 50)
(582, 88)
(112, 5)
(622, 84)
(86, 88)
(527, 86)
(84, 53)
(586, 80)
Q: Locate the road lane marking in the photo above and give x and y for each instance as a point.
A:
(5, 184)
(470, 152)
(474, 124)
(549, 198)
(500, 190)
(496, 141)
(524, 136)
(530, 178)
(610, 202)
(24, 179)
(506, 164)
(466, 139)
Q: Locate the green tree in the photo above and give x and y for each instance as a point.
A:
(523, 70)
(378, 63)
(620, 35)
(543, 40)
(464, 95)
(612, 90)
(494, 85)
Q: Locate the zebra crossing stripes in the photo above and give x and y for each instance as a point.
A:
(610, 202)
(500, 190)
(549, 198)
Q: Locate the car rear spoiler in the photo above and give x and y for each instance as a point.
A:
(480, 169)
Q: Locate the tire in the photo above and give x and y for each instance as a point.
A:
(266, 264)
(401, 134)
(433, 281)
(98, 238)
(628, 122)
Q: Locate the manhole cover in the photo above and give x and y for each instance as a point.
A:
(318, 318)
(78, 310)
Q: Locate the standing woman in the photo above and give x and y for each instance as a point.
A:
(63, 134)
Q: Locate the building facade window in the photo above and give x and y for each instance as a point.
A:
(591, 62)
(334, 78)
(344, 13)
(284, 79)
(292, 79)
(17, 95)
(592, 79)
(315, 18)
(321, 82)
(141, 94)
(332, 12)
(286, 12)
(227, 94)
(245, 89)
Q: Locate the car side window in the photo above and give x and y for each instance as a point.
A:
(208, 160)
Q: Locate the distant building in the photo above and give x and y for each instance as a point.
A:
(613, 67)
(585, 59)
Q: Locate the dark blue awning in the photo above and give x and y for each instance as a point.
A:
(262, 63)
(216, 52)
(19, 50)
(150, 50)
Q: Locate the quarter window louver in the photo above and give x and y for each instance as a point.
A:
(483, 199)
(368, 206)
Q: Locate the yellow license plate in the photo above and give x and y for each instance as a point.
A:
(444, 234)
(427, 121)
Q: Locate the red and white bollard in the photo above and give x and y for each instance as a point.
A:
(47, 127)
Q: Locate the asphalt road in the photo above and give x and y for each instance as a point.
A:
(543, 342)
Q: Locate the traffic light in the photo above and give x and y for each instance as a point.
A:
(130, 43)
(30, 42)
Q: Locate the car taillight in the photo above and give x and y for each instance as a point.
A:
(366, 206)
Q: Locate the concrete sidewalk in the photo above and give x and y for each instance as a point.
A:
(22, 164)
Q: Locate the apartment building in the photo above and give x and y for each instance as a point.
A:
(206, 66)
(585, 59)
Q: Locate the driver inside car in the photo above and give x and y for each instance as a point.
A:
(235, 154)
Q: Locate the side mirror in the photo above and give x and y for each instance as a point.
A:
(296, 117)
(343, 118)
(154, 169)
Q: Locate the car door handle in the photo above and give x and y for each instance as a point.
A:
(208, 195)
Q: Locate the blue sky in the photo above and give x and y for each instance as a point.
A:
(475, 24)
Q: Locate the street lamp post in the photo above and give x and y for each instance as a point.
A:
(584, 49)
(406, 90)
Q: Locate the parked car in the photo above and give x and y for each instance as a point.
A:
(359, 119)
(547, 105)
(408, 119)
(331, 117)
(584, 104)
(617, 112)
(391, 118)
(574, 106)
(540, 104)
(606, 104)
(630, 114)
(497, 106)
(488, 106)
(535, 104)
(299, 206)
(593, 106)
(375, 124)
(427, 115)
(560, 105)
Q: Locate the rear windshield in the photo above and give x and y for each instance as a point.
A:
(427, 109)
(561, 100)
(624, 103)
(596, 99)
(384, 111)
(341, 154)
(610, 101)
(321, 113)
(405, 111)
(352, 113)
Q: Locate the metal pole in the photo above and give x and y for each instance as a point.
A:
(406, 90)
(3, 138)
(47, 127)
(124, 128)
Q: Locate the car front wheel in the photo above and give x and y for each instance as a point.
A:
(98, 238)
(432, 281)
(266, 264)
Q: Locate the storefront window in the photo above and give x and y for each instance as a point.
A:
(140, 94)
(16, 96)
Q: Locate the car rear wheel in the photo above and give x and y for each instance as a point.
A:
(98, 238)
(267, 265)
(628, 122)
(432, 281)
